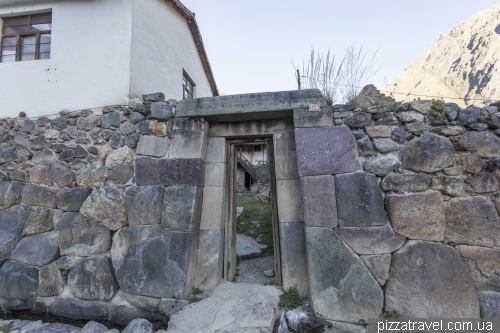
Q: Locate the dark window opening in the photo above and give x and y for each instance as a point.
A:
(187, 86)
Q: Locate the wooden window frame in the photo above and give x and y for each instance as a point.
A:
(188, 79)
(28, 33)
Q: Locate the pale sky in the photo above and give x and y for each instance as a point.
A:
(250, 43)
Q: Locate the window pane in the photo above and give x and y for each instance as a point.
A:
(44, 56)
(28, 48)
(29, 40)
(44, 48)
(15, 21)
(11, 58)
(25, 57)
(9, 41)
(41, 27)
(15, 29)
(9, 50)
(45, 38)
(41, 19)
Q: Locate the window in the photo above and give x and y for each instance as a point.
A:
(26, 38)
(187, 86)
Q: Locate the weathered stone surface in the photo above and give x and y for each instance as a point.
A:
(37, 250)
(181, 210)
(212, 213)
(169, 307)
(215, 174)
(143, 127)
(407, 117)
(319, 205)
(151, 145)
(408, 182)
(209, 261)
(79, 236)
(472, 163)
(484, 266)
(400, 136)
(39, 143)
(60, 174)
(489, 301)
(385, 145)
(306, 118)
(116, 141)
(136, 117)
(59, 123)
(341, 286)
(365, 146)
(371, 240)
(91, 175)
(468, 116)
(429, 153)
(289, 200)
(216, 148)
(161, 111)
(12, 222)
(94, 327)
(127, 128)
(358, 120)
(36, 195)
(479, 126)
(38, 174)
(378, 131)
(359, 200)
(227, 310)
(302, 319)
(10, 194)
(7, 155)
(79, 152)
(144, 204)
(93, 279)
(379, 266)
(18, 175)
(56, 328)
(381, 165)
(154, 97)
(293, 257)
(177, 171)
(112, 119)
(340, 327)
(121, 173)
(153, 262)
(65, 263)
(139, 325)
(325, 150)
(43, 157)
(485, 144)
(73, 308)
(142, 302)
(472, 221)
(453, 186)
(40, 220)
(18, 286)
(51, 281)
(187, 144)
(122, 314)
(421, 106)
(106, 206)
(158, 128)
(418, 216)
(429, 280)
(483, 182)
(71, 199)
(120, 156)
(450, 130)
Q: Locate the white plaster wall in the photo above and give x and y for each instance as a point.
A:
(89, 65)
(162, 46)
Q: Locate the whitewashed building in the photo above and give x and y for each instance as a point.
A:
(71, 55)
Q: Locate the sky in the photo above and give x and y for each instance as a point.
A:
(251, 44)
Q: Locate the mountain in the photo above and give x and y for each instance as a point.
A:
(463, 64)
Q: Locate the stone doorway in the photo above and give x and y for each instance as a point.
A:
(251, 228)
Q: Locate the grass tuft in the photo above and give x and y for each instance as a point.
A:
(290, 298)
(390, 314)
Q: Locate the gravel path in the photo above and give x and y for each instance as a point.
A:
(252, 271)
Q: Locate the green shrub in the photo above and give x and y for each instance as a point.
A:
(197, 291)
(390, 314)
(290, 298)
(6, 328)
(484, 117)
(439, 108)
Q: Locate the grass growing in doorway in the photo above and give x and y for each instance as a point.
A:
(255, 209)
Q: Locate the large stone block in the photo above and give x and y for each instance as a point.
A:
(483, 182)
(289, 200)
(71, 199)
(293, 257)
(430, 280)
(326, 150)
(93, 279)
(285, 156)
(161, 111)
(106, 206)
(210, 260)
(371, 240)
(142, 302)
(144, 204)
(60, 173)
(73, 308)
(484, 264)
(429, 153)
(91, 175)
(10, 194)
(12, 222)
(51, 281)
(319, 205)
(179, 171)
(120, 156)
(381, 165)
(489, 301)
(485, 144)
(121, 173)
(181, 210)
(122, 314)
(153, 262)
(379, 266)
(216, 150)
(18, 286)
(151, 145)
(407, 182)
(36, 195)
(139, 325)
(37, 250)
(359, 200)
(190, 124)
(472, 221)
(418, 216)
(452, 186)
(39, 220)
(215, 175)
(188, 144)
(213, 208)
(341, 286)
(79, 236)
(306, 118)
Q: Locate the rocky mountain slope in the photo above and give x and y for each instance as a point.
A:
(464, 63)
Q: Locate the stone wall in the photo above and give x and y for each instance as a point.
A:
(401, 209)
(100, 211)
